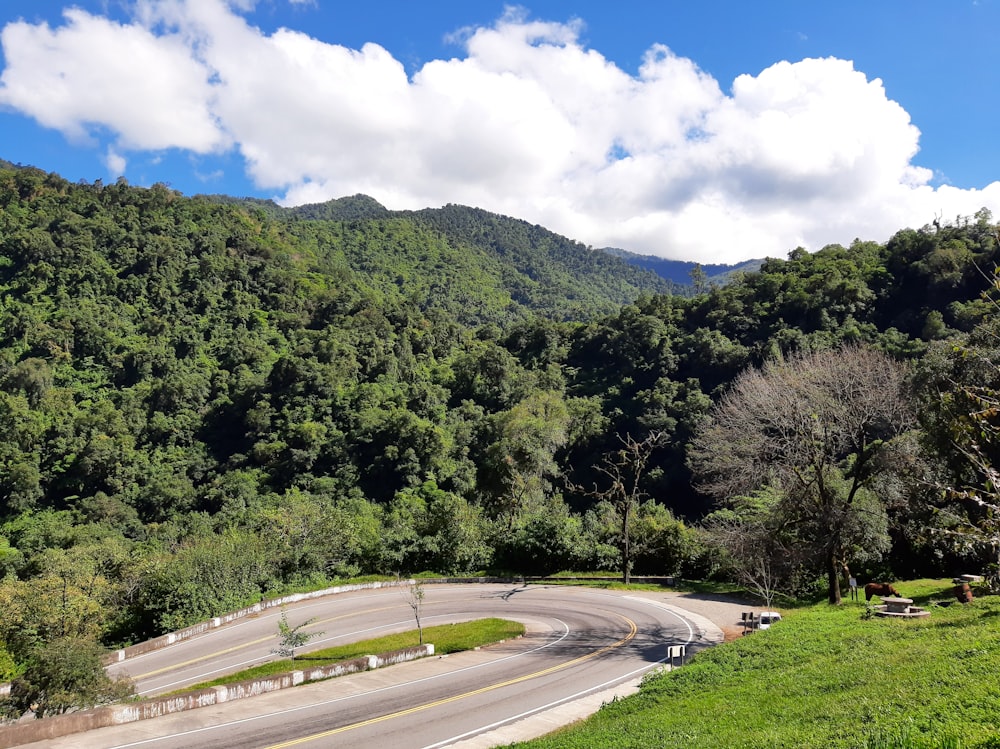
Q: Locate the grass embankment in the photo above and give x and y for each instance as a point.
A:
(613, 581)
(447, 638)
(824, 677)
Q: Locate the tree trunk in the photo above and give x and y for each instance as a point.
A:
(626, 547)
(833, 568)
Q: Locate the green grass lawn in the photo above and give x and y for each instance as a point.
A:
(824, 677)
(447, 638)
(611, 583)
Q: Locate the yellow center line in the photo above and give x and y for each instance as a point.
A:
(175, 666)
(259, 640)
(409, 711)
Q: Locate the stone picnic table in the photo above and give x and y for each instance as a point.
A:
(896, 606)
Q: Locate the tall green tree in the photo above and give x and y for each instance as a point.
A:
(962, 420)
(66, 674)
(520, 463)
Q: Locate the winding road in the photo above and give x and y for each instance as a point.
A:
(578, 641)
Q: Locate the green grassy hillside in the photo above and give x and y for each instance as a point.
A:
(825, 677)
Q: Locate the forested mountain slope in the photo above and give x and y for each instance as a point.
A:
(452, 254)
(205, 400)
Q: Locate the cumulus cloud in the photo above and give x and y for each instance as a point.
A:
(91, 71)
(528, 121)
(115, 163)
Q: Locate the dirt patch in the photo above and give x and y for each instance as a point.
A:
(725, 612)
(731, 633)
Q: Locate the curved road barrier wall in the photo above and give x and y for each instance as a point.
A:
(196, 629)
(113, 715)
(667, 581)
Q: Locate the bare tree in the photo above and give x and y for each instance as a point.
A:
(623, 471)
(814, 426)
(757, 549)
(415, 599)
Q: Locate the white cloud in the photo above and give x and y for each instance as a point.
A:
(91, 71)
(115, 163)
(529, 122)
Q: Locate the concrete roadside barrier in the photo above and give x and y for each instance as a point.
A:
(171, 638)
(114, 715)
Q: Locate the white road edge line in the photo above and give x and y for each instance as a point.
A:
(666, 607)
(201, 676)
(224, 629)
(570, 698)
(483, 729)
(562, 637)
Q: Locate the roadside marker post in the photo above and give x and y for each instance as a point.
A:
(676, 651)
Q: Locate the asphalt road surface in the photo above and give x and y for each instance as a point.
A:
(579, 641)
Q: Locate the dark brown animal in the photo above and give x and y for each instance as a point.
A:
(963, 593)
(881, 590)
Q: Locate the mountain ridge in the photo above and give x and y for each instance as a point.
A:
(361, 207)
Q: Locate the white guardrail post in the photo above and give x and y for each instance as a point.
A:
(676, 651)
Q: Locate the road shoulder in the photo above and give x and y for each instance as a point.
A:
(714, 620)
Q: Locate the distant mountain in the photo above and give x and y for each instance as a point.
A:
(480, 264)
(679, 271)
(562, 270)
(264, 204)
(521, 242)
(353, 208)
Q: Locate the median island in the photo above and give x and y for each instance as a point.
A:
(447, 638)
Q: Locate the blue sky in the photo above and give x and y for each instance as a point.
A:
(712, 131)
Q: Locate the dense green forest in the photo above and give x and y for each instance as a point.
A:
(204, 401)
